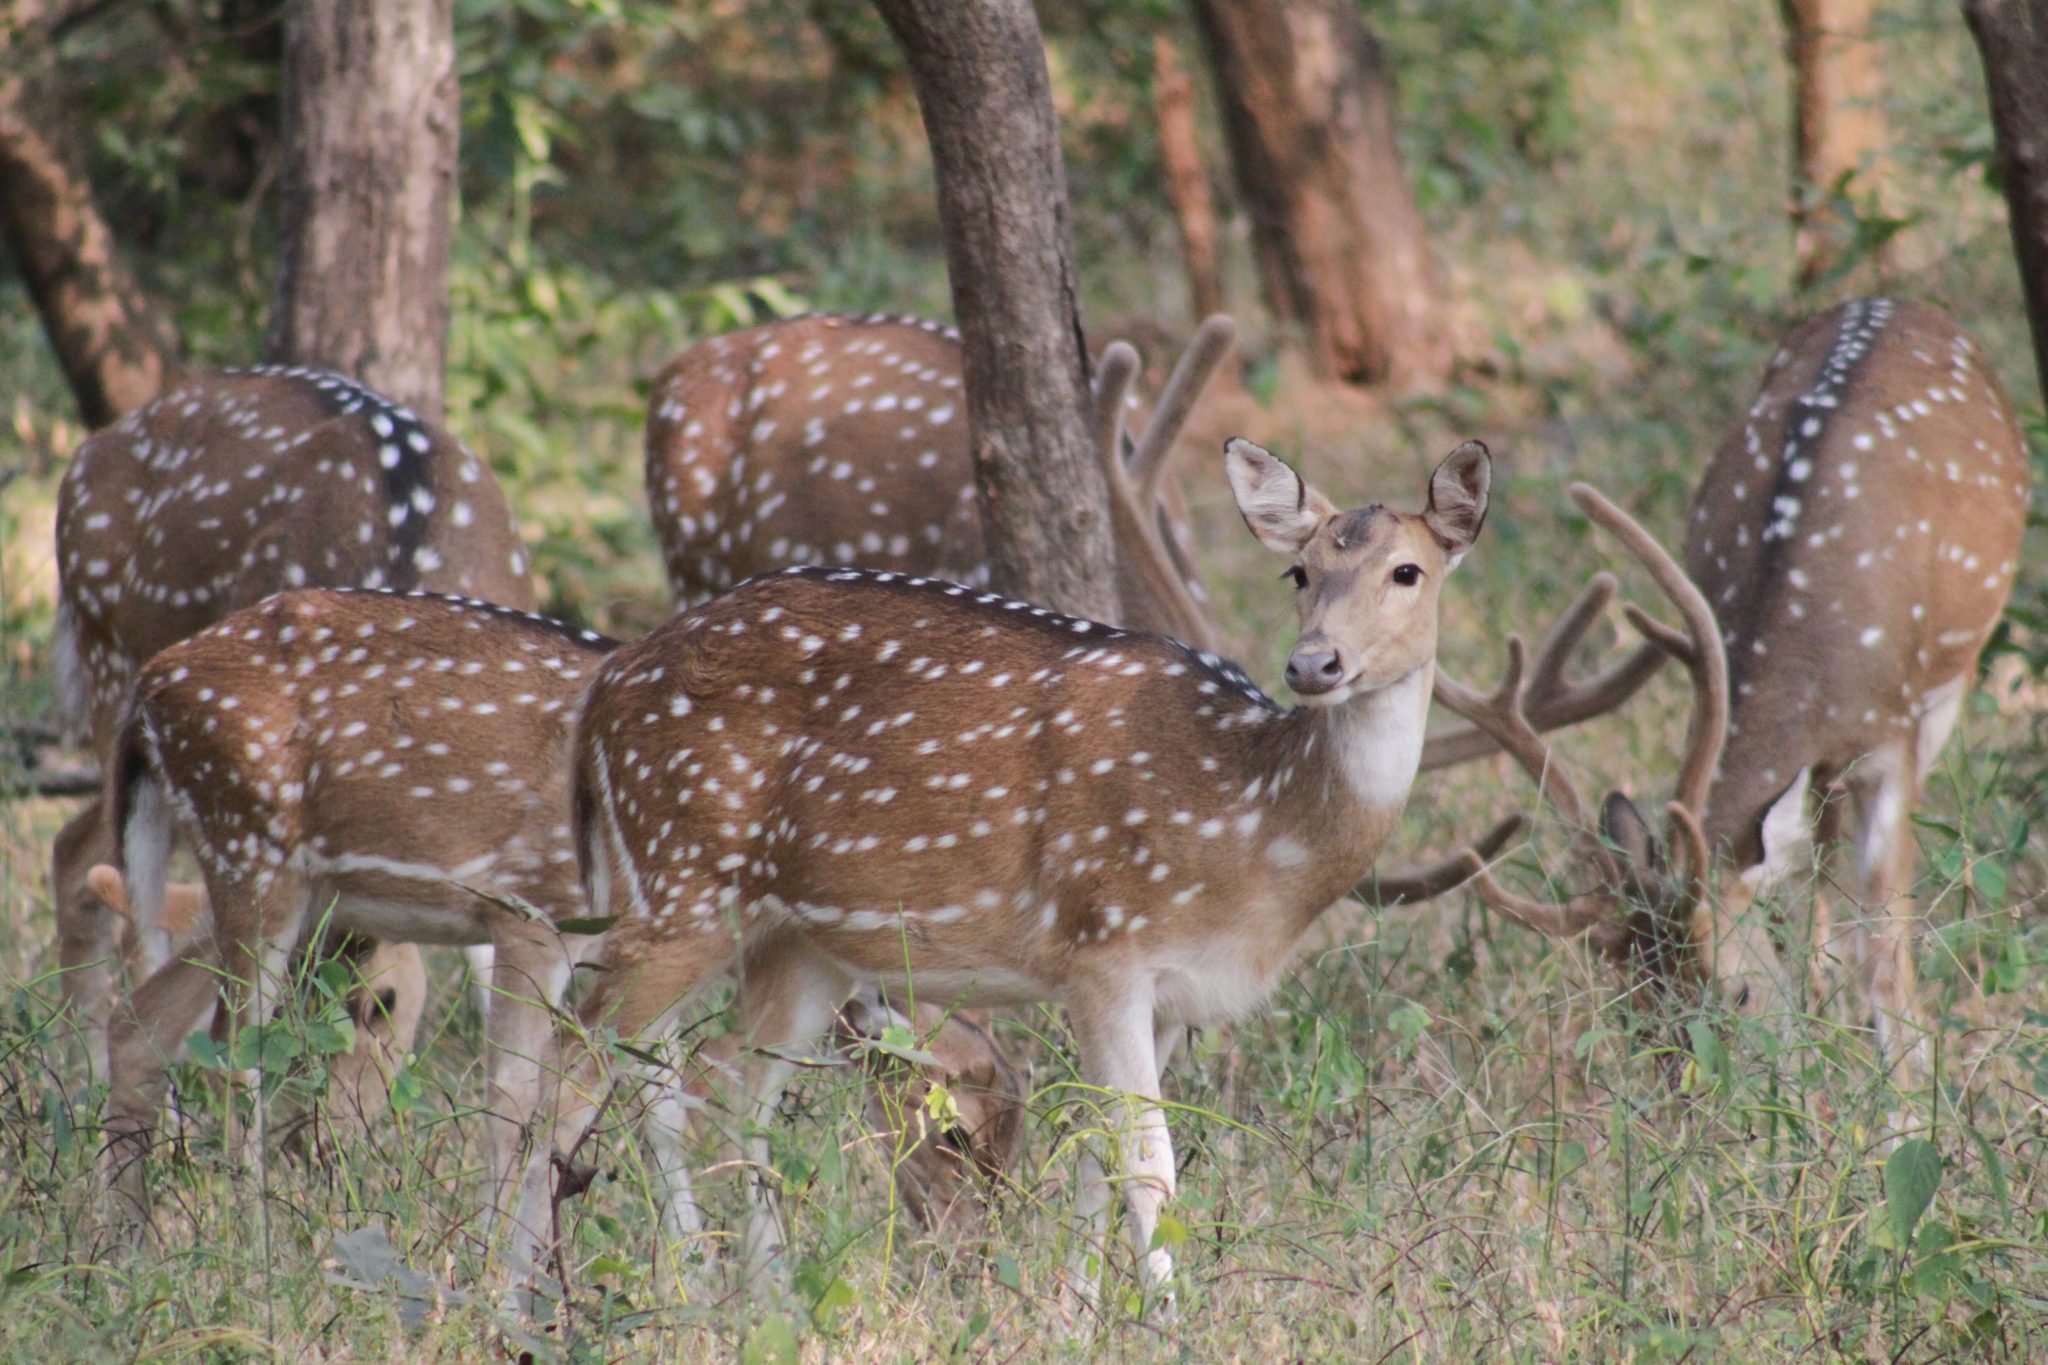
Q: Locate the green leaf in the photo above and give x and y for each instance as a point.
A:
(836, 1299)
(1171, 1232)
(592, 924)
(1590, 1039)
(1708, 1051)
(772, 1342)
(1007, 1273)
(1987, 875)
(1911, 1175)
(1409, 1021)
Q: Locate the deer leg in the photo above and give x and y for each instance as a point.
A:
(481, 958)
(1886, 788)
(85, 928)
(1116, 1033)
(788, 998)
(147, 1031)
(1821, 961)
(258, 916)
(529, 972)
(646, 988)
(386, 1006)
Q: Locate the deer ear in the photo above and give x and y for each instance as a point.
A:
(1457, 499)
(1622, 825)
(1282, 511)
(1786, 829)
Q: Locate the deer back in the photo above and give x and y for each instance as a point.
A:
(399, 749)
(1857, 536)
(844, 440)
(813, 440)
(235, 485)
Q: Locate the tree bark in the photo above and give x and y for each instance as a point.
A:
(114, 347)
(367, 190)
(1187, 183)
(980, 76)
(1309, 119)
(1838, 125)
(2012, 37)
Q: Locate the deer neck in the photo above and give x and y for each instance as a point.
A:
(1332, 782)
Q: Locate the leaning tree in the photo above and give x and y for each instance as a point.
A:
(1308, 116)
(114, 347)
(982, 86)
(2012, 37)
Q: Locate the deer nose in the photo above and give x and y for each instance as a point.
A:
(1314, 671)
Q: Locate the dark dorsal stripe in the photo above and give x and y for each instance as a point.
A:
(404, 445)
(1807, 422)
(574, 634)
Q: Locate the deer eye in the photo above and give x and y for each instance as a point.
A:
(1296, 575)
(1408, 575)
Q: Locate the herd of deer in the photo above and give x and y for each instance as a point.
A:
(299, 620)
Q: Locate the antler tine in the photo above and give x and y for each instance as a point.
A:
(1551, 701)
(1500, 715)
(1134, 515)
(1177, 400)
(1689, 848)
(1575, 916)
(1408, 885)
(1704, 658)
(1114, 373)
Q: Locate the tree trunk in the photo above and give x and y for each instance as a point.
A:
(1838, 125)
(1308, 115)
(1187, 184)
(2012, 37)
(979, 71)
(115, 349)
(369, 132)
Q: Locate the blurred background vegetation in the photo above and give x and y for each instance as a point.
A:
(1605, 186)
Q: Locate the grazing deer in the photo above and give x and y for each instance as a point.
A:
(1857, 535)
(394, 763)
(387, 1015)
(843, 440)
(843, 776)
(227, 488)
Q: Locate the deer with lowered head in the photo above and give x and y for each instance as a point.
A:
(228, 487)
(395, 765)
(843, 440)
(1857, 534)
(838, 777)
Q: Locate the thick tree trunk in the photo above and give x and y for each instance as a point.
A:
(1187, 183)
(1308, 115)
(979, 71)
(369, 133)
(1838, 125)
(113, 346)
(2012, 36)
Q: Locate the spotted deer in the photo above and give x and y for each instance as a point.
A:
(1856, 534)
(843, 440)
(229, 487)
(838, 776)
(395, 764)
